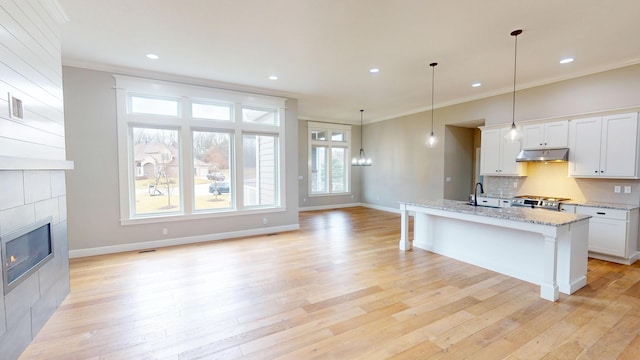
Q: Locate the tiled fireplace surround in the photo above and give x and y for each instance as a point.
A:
(27, 196)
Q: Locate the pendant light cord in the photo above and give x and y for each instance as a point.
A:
(361, 139)
(515, 65)
(433, 80)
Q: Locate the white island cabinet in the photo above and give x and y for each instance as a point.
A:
(605, 147)
(547, 248)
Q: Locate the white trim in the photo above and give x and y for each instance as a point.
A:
(327, 126)
(329, 207)
(196, 92)
(348, 205)
(18, 163)
(103, 250)
(383, 208)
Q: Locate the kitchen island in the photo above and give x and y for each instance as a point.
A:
(544, 247)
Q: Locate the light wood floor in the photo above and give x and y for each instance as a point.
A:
(337, 289)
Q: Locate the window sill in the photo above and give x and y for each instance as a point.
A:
(197, 216)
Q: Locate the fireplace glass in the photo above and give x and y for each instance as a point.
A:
(24, 251)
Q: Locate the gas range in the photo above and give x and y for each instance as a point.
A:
(534, 201)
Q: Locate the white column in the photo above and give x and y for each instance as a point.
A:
(405, 245)
(549, 285)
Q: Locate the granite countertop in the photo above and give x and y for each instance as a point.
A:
(535, 216)
(603, 205)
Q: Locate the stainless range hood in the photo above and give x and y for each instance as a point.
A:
(543, 155)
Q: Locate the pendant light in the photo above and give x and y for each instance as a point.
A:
(514, 134)
(432, 140)
(363, 160)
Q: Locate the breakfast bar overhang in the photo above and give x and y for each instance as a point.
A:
(543, 247)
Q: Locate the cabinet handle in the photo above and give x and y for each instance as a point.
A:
(596, 171)
(601, 213)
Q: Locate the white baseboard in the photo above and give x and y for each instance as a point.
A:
(615, 259)
(179, 241)
(382, 208)
(329, 207)
(339, 206)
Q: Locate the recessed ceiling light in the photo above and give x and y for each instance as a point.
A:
(273, 77)
(153, 56)
(566, 60)
(476, 84)
(374, 70)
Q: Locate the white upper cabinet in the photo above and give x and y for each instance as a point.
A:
(604, 147)
(546, 135)
(497, 157)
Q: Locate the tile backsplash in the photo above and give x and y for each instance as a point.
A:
(552, 179)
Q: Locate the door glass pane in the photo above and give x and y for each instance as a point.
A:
(260, 170)
(338, 136)
(338, 170)
(213, 183)
(156, 170)
(319, 169)
(318, 135)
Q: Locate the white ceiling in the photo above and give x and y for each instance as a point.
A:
(321, 50)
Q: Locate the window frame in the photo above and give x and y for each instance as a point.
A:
(127, 86)
(329, 143)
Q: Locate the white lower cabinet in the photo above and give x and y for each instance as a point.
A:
(613, 233)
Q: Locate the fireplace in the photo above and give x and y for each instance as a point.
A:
(24, 251)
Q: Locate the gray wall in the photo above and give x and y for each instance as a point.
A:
(414, 172)
(458, 162)
(93, 197)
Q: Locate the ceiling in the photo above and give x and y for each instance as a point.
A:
(322, 50)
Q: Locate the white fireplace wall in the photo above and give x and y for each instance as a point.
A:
(32, 160)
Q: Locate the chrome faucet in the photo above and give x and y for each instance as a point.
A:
(475, 193)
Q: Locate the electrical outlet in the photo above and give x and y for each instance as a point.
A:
(165, 231)
(515, 184)
(616, 189)
(264, 221)
(627, 189)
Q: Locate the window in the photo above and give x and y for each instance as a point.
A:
(212, 164)
(329, 152)
(157, 168)
(154, 106)
(197, 151)
(259, 116)
(260, 170)
(211, 111)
